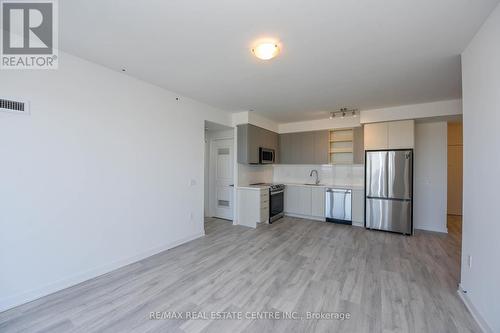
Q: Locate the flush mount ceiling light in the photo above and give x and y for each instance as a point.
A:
(266, 51)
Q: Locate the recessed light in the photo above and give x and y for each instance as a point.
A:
(266, 51)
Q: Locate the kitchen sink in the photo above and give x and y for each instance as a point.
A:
(309, 184)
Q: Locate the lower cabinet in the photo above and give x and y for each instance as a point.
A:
(252, 206)
(318, 202)
(309, 202)
(358, 207)
(306, 201)
(292, 199)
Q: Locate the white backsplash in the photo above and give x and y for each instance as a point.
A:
(328, 174)
(251, 174)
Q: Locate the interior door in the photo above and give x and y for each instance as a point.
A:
(222, 194)
(455, 187)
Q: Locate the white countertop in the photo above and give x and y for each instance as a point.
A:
(253, 187)
(340, 186)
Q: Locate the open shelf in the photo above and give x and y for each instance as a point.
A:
(342, 135)
(341, 158)
(345, 140)
(341, 146)
(341, 150)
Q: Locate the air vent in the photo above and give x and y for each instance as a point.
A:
(13, 106)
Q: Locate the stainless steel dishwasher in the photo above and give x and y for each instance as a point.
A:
(338, 206)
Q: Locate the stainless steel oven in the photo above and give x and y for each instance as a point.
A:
(266, 156)
(276, 202)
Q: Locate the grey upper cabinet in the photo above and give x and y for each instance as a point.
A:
(290, 145)
(321, 147)
(254, 142)
(285, 142)
(358, 149)
(304, 147)
(250, 139)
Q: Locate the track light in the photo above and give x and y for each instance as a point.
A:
(343, 113)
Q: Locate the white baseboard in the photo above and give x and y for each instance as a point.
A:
(472, 309)
(432, 228)
(31, 295)
(306, 217)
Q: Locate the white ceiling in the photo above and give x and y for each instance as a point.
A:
(359, 53)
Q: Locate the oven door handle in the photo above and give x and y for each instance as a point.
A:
(272, 193)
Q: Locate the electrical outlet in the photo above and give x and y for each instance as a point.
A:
(469, 261)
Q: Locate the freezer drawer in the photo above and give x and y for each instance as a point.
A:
(338, 206)
(389, 215)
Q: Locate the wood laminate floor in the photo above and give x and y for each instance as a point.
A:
(386, 282)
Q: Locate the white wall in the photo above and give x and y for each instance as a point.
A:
(98, 176)
(251, 174)
(430, 176)
(321, 124)
(413, 111)
(258, 120)
(481, 219)
(253, 118)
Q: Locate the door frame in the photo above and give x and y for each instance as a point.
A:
(211, 176)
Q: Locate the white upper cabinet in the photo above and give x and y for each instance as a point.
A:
(390, 135)
(401, 134)
(376, 136)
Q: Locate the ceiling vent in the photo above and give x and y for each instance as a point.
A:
(7, 105)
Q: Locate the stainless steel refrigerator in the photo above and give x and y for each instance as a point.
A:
(389, 190)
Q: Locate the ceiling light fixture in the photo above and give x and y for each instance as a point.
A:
(266, 51)
(343, 113)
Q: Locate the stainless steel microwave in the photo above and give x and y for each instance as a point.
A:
(266, 156)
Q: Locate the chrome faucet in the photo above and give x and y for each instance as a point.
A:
(317, 176)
